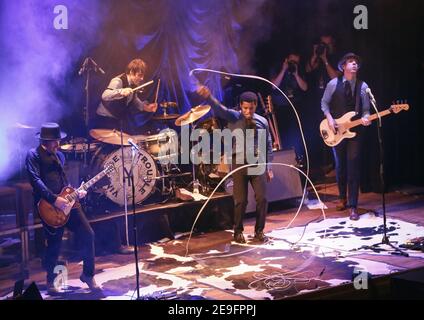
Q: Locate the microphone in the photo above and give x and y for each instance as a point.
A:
(368, 90)
(84, 65)
(133, 144)
(373, 103)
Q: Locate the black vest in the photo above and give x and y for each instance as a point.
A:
(340, 104)
(119, 108)
(51, 170)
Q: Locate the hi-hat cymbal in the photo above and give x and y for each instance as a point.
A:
(166, 116)
(194, 114)
(110, 136)
(168, 104)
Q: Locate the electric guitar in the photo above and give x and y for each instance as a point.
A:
(344, 124)
(272, 121)
(55, 217)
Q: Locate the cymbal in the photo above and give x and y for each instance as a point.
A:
(166, 116)
(110, 136)
(168, 104)
(194, 114)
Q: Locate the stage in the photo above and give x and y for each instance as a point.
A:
(331, 258)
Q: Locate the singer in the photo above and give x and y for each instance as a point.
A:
(121, 103)
(343, 94)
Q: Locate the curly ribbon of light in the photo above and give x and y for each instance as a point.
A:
(255, 165)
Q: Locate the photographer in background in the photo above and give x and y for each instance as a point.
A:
(320, 69)
(291, 81)
(322, 60)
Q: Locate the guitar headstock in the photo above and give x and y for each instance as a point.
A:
(109, 168)
(396, 108)
(270, 106)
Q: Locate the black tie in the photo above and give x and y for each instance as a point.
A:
(348, 90)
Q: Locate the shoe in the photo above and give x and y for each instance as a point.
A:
(91, 283)
(179, 194)
(126, 250)
(353, 214)
(239, 238)
(259, 236)
(341, 205)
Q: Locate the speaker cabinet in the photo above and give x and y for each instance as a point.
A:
(285, 184)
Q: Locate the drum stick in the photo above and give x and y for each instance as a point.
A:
(157, 92)
(142, 86)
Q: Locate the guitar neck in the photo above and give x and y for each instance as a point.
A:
(92, 181)
(372, 117)
(87, 185)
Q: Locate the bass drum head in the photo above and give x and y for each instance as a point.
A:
(144, 170)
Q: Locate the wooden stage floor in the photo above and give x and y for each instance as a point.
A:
(295, 262)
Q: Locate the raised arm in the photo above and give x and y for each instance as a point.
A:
(220, 110)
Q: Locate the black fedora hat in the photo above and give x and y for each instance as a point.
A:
(346, 57)
(50, 131)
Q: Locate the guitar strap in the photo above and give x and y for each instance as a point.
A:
(61, 169)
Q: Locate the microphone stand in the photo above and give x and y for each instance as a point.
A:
(88, 65)
(124, 182)
(385, 239)
(131, 177)
(123, 165)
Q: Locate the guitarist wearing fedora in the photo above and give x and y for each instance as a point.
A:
(343, 94)
(44, 166)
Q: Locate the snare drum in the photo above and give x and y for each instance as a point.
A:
(162, 146)
(77, 148)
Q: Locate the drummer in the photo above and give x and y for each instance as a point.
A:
(120, 102)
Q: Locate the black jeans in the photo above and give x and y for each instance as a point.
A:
(240, 189)
(79, 224)
(348, 159)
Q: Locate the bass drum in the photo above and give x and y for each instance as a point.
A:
(145, 173)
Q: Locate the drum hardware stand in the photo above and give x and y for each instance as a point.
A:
(195, 183)
(88, 65)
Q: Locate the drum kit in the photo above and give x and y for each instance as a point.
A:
(151, 161)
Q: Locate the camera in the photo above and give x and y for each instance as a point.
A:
(321, 47)
(292, 66)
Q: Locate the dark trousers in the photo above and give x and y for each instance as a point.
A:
(240, 189)
(347, 160)
(79, 224)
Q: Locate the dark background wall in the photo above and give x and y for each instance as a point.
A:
(243, 36)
